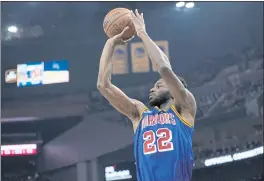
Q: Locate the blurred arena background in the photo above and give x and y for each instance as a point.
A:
(57, 127)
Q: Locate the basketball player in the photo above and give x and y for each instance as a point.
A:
(162, 134)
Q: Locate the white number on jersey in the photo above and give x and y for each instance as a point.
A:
(163, 137)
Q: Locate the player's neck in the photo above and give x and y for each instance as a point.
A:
(166, 105)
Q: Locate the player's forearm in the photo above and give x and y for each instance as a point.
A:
(105, 67)
(155, 53)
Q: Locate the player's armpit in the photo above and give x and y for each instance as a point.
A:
(182, 97)
(191, 104)
(121, 102)
(188, 109)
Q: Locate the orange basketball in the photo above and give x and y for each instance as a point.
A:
(116, 20)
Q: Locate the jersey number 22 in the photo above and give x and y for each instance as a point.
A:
(163, 137)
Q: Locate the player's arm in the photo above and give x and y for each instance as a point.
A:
(177, 89)
(113, 94)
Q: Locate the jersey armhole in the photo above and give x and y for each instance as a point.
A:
(180, 117)
(138, 122)
(141, 113)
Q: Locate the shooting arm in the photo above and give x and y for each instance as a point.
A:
(161, 60)
(184, 98)
(113, 94)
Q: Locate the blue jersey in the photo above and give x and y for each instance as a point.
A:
(163, 146)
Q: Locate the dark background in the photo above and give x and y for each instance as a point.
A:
(217, 47)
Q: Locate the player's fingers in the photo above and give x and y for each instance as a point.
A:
(122, 42)
(133, 14)
(124, 30)
(137, 14)
(142, 17)
(133, 19)
(129, 39)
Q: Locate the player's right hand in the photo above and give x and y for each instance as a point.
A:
(117, 39)
(138, 21)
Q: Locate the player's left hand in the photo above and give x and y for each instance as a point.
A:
(117, 39)
(138, 21)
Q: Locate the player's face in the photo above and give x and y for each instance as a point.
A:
(159, 93)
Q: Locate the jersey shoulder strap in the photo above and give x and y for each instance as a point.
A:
(180, 117)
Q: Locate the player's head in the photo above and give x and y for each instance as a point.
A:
(160, 93)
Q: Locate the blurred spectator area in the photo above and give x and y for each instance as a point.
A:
(233, 88)
(227, 136)
(245, 170)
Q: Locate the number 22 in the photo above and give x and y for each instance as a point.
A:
(163, 144)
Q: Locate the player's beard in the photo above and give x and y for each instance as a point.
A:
(159, 100)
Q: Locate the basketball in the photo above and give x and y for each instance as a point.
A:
(116, 20)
